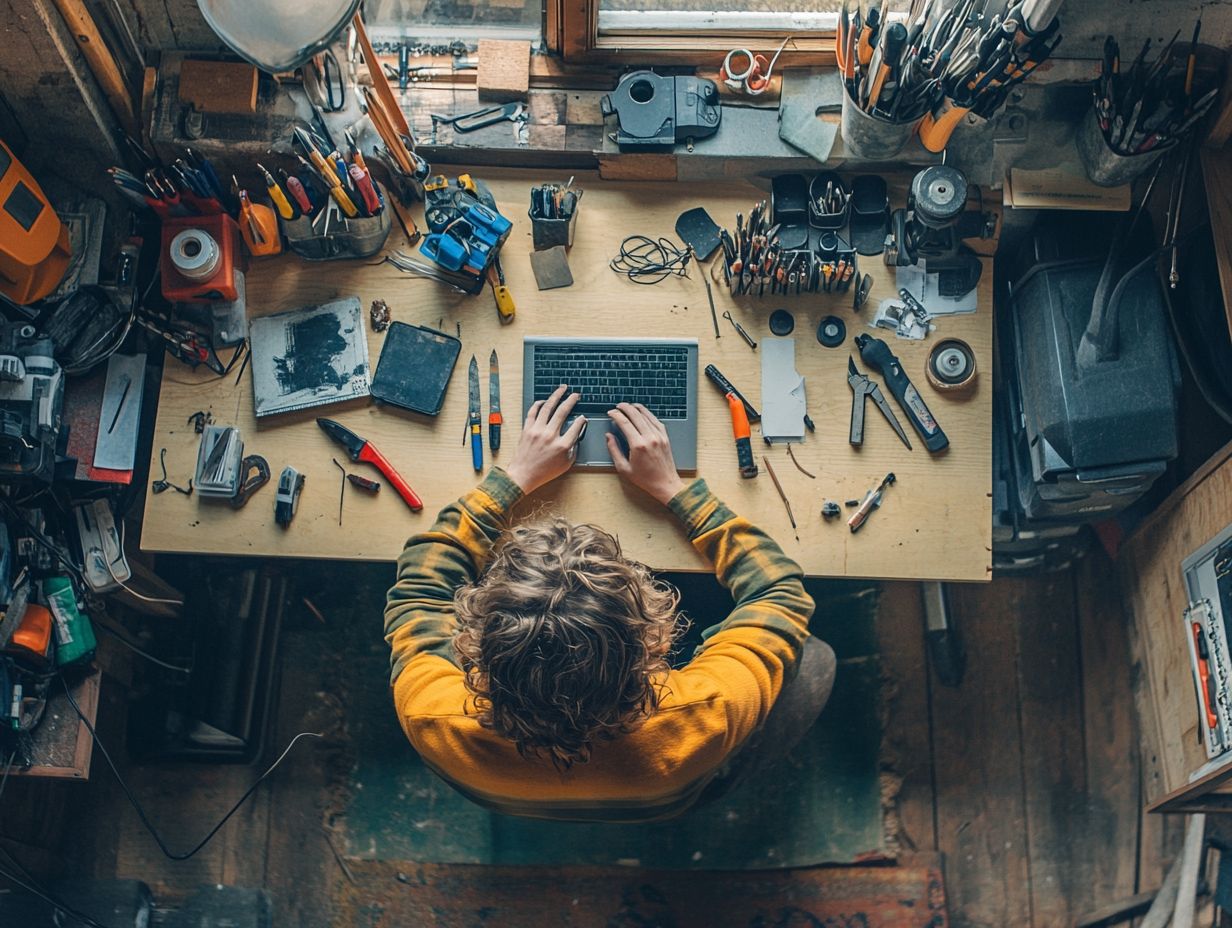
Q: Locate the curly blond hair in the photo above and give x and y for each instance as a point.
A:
(561, 639)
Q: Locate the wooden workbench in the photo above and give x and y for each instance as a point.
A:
(935, 523)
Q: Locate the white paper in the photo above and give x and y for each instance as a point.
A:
(783, 404)
(120, 417)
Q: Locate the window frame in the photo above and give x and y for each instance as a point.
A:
(571, 30)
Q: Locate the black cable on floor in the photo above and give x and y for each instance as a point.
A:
(137, 807)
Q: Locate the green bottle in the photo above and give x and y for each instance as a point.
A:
(74, 635)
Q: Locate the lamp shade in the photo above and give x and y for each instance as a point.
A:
(278, 35)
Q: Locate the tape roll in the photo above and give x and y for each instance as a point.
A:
(951, 365)
(195, 254)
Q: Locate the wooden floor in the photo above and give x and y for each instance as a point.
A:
(1024, 779)
(1027, 776)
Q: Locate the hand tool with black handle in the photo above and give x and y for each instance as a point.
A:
(362, 450)
(473, 416)
(495, 419)
(715, 376)
(877, 354)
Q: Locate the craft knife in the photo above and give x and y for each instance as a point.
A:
(473, 418)
(362, 450)
(494, 410)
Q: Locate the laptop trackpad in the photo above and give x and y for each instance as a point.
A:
(592, 449)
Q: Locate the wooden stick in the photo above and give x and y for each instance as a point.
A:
(102, 64)
(380, 83)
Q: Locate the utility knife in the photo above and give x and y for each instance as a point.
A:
(476, 431)
(362, 450)
(494, 412)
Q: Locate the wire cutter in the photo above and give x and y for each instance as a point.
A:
(861, 387)
(360, 449)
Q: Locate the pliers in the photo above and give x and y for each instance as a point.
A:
(861, 387)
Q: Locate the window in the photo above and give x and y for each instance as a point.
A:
(442, 21)
(735, 17)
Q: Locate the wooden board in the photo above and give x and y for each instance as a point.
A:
(936, 522)
(219, 86)
(1150, 575)
(1217, 173)
(1053, 763)
(978, 766)
(62, 743)
(906, 743)
(1109, 732)
(504, 70)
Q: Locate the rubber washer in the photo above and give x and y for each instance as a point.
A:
(831, 331)
(951, 365)
(782, 322)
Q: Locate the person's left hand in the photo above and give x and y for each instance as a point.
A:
(543, 452)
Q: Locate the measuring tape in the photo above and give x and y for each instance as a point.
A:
(745, 72)
(951, 365)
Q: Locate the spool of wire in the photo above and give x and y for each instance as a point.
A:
(951, 365)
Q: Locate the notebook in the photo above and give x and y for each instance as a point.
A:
(309, 357)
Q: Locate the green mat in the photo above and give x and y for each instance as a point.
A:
(822, 805)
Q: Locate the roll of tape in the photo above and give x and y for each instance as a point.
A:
(195, 254)
(951, 365)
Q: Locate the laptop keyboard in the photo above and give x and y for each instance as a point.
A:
(657, 376)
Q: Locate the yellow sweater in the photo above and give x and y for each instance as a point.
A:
(708, 707)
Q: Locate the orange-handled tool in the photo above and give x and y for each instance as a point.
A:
(740, 430)
(937, 126)
(1204, 676)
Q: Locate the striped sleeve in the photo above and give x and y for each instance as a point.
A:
(751, 653)
(419, 610)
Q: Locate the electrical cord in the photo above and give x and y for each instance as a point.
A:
(140, 810)
(123, 639)
(649, 261)
(50, 900)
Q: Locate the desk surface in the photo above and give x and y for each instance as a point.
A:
(935, 523)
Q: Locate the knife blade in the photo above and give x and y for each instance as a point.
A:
(476, 432)
(494, 407)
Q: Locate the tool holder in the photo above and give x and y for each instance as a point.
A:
(871, 136)
(819, 218)
(1105, 167)
(357, 237)
(547, 232)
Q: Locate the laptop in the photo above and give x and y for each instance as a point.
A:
(659, 373)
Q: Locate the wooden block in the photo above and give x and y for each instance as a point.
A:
(504, 70)
(219, 86)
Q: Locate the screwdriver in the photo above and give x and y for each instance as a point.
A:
(328, 173)
(286, 209)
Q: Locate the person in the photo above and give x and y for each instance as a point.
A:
(530, 662)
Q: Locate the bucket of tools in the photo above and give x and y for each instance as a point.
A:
(1105, 167)
(872, 136)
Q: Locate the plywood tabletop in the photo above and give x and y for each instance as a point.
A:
(935, 523)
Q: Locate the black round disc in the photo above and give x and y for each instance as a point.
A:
(782, 322)
(831, 331)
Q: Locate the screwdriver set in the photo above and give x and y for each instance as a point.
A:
(779, 253)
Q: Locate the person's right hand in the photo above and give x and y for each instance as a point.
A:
(650, 464)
